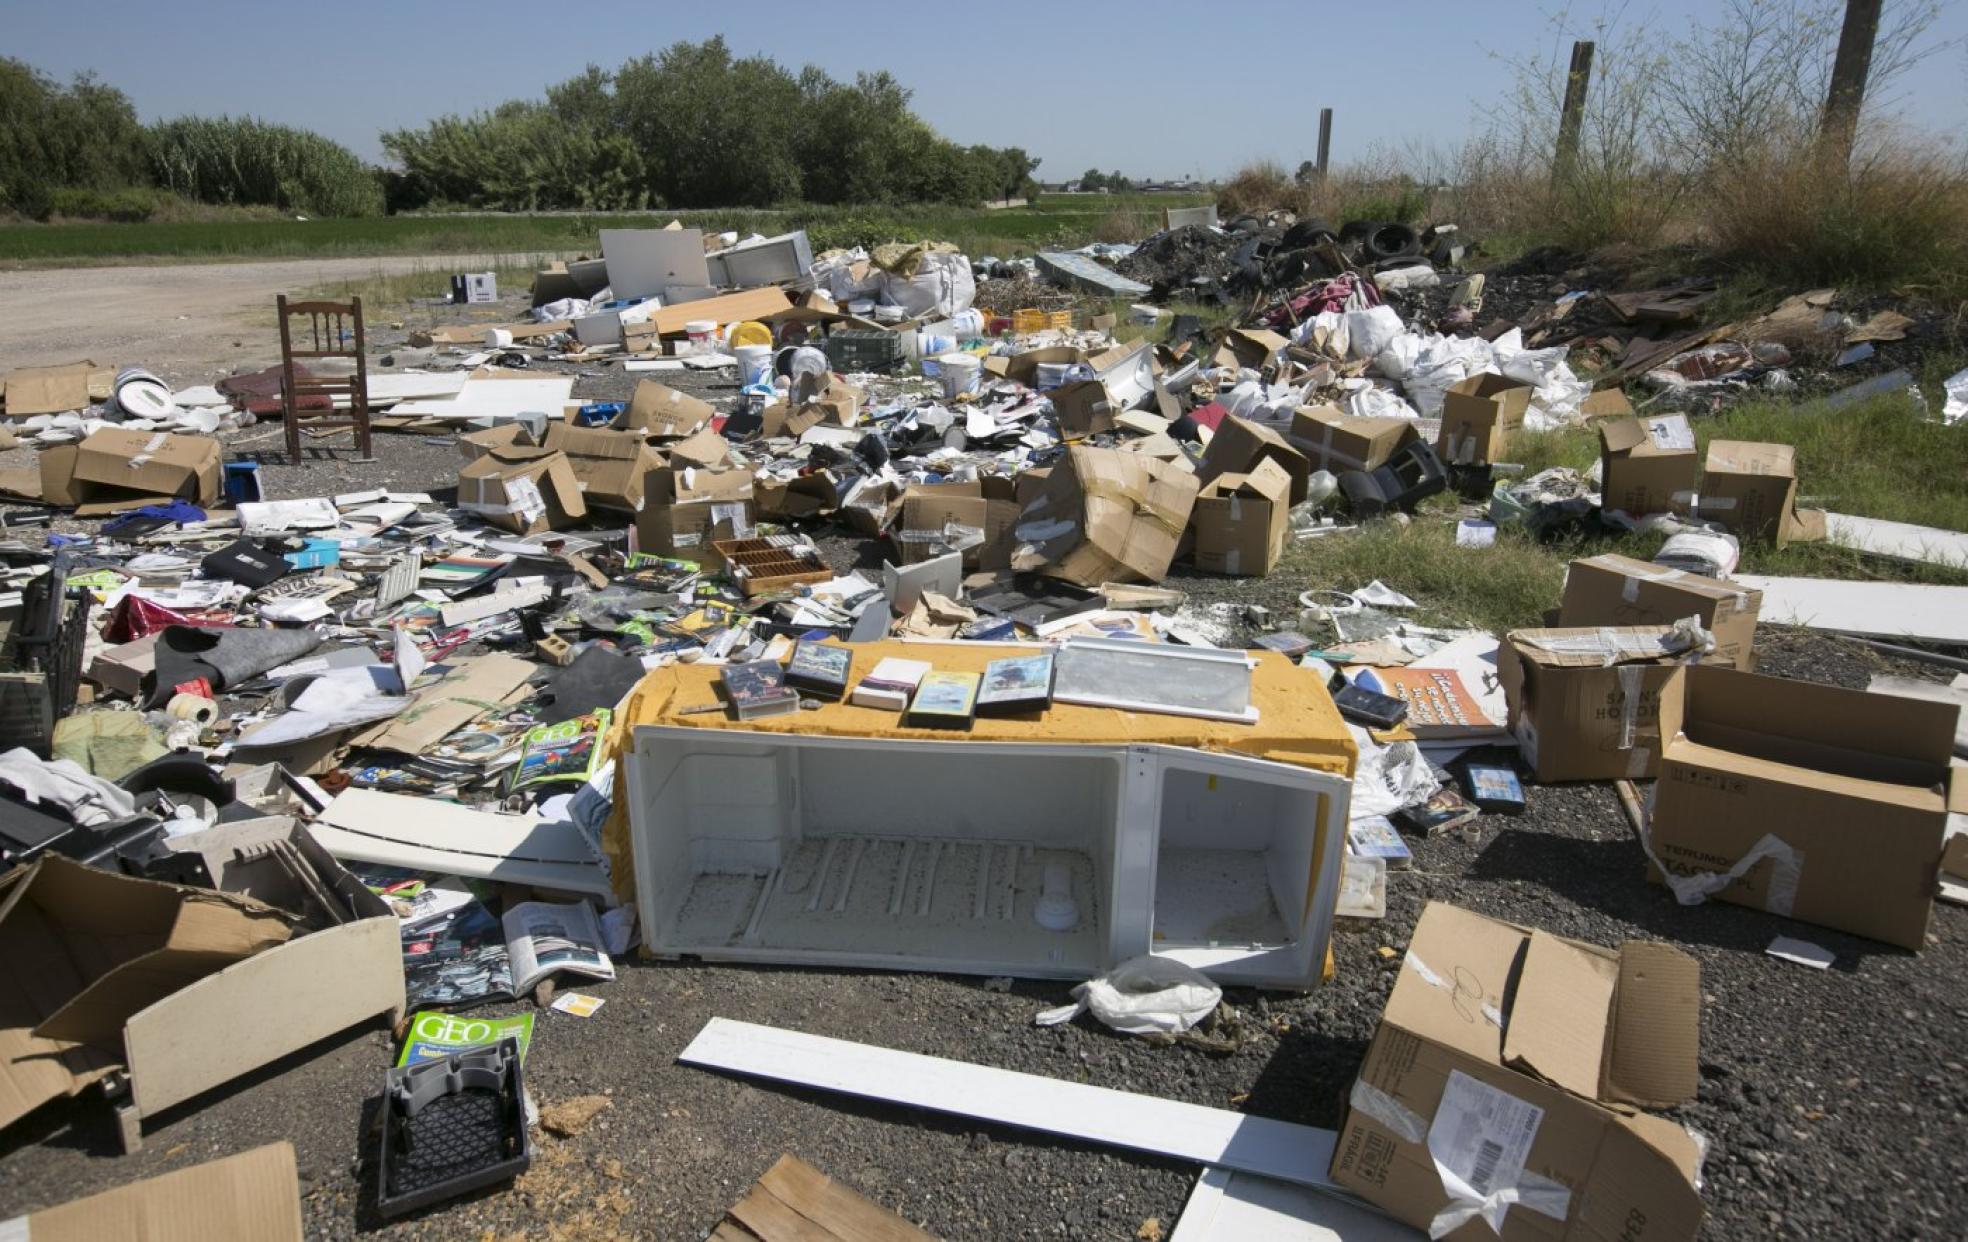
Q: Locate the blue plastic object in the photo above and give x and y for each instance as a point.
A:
(242, 481)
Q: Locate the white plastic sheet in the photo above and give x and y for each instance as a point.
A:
(1142, 996)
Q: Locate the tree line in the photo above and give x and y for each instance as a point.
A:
(691, 126)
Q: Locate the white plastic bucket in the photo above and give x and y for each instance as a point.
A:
(961, 374)
(701, 332)
(754, 364)
(139, 394)
(498, 338)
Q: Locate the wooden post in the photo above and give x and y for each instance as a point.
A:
(1840, 127)
(1571, 121)
(1325, 140)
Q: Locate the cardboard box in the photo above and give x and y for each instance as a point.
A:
(1751, 489)
(704, 450)
(1619, 591)
(1331, 439)
(1517, 1058)
(523, 490)
(48, 390)
(1577, 717)
(928, 509)
(1840, 796)
(1480, 417)
(98, 959)
(1103, 515)
(114, 462)
(473, 445)
(1647, 466)
(251, 1197)
(123, 667)
(58, 485)
(810, 495)
(685, 510)
(664, 412)
(1024, 368)
(611, 467)
(1250, 348)
(1239, 445)
(1241, 520)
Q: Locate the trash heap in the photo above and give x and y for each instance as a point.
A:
(617, 685)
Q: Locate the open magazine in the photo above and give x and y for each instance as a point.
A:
(544, 939)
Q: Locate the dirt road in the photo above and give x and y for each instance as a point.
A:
(189, 322)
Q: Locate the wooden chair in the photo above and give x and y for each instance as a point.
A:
(326, 333)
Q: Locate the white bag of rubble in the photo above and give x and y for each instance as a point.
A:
(1142, 996)
(1372, 402)
(1372, 330)
(943, 284)
(1555, 403)
(1427, 364)
(834, 276)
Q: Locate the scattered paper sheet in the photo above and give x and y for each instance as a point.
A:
(1803, 952)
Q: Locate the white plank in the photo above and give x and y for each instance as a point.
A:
(1280, 1149)
(1238, 1207)
(433, 835)
(1900, 541)
(1876, 609)
(492, 398)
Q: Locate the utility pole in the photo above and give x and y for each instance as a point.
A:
(1840, 127)
(1325, 140)
(1571, 121)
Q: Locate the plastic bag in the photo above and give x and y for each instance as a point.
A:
(942, 285)
(1142, 996)
(1370, 331)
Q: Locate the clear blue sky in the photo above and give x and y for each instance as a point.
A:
(1150, 88)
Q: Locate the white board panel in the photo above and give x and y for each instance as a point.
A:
(1876, 609)
(1240, 1207)
(1901, 541)
(1280, 1149)
(494, 398)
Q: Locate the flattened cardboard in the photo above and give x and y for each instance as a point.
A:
(1751, 489)
(1103, 515)
(1620, 591)
(1331, 439)
(1574, 716)
(1240, 521)
(664, 412)
(1853, 786)
(48, 390)
(1546, 1021)
(611, 467)
(91, 949)
(251, 1197)
(113, 463)
(523, 490)
(448, 704)
(1481, 415)
(1239, 445)
(1638, 476)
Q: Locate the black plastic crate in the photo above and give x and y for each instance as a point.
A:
(469, 1136)
(41, 669)
(860, 350)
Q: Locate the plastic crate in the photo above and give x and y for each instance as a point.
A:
(1031, 319)
(861, 350)
(41, 670)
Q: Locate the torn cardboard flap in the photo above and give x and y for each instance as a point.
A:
(251, 1197)
(663, 411)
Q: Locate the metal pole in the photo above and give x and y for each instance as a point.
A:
(1325, 140)
(1571, 121)
(1848, 81)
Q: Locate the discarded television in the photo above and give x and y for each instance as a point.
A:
(1044, 859)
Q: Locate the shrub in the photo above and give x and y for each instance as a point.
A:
(241, 160)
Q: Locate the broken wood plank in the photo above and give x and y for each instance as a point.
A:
(839, 1210)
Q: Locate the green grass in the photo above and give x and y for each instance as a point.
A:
(1069, 220)
(1879, 458)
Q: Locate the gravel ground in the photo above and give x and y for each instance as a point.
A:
(1834, 1102)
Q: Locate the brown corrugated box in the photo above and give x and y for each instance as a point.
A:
(1103, 515)
(1845, 795)
(1639, 472)
(1480, 417)
(1334, 440)
(686, 509)
(664, 412)
(473, 445)
(1751, 489)
(251, 1197)
(1619, 590)
(929, 508)
(611, 467)
(1575, 716)
(523, 490)
(1521, 1044)
(114, 463)
(1239, 445)
(1241, 520)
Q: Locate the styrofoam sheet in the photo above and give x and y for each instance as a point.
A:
(1227, 1206)
(432, 835)
(1279, 1149)
(496, 398)
(1875, 609)
(1901, 541)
